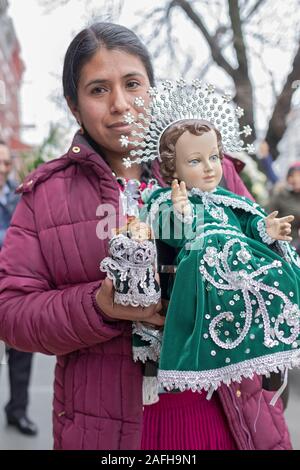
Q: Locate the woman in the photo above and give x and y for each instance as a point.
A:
(50, 299)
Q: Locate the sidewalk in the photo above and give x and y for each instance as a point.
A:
(39, 408)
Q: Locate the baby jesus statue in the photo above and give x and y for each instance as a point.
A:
(234, 306)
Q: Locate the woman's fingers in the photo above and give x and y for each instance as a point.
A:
(105, 301)
(105, 293)
(156, 319)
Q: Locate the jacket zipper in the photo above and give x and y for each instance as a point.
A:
(250, 443)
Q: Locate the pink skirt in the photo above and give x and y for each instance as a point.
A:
(186, 421)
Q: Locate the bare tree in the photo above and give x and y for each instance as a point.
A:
(235, 35)
(227, 28)
(105, 10)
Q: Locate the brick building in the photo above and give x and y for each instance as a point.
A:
(11, 71)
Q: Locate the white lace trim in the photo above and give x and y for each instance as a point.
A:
(201, 193)
(229, 201)
(144, 353)
(165, 196)
(261, 227)
(185, 219)
(199, 380)
(136, 299)
(223, 231)
(153, 337)
(289, 253)
(209, 204)
(150, 390)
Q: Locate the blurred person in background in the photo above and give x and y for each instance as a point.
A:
(286, 200)
(266, 161)
(19, 363)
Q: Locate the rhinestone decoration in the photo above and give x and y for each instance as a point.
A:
(177, 102)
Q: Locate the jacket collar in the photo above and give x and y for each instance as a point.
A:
(84, 153)
(80, 152)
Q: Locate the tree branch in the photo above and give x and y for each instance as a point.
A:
(238, 38)
(277, 124)
(214, 48)
(253, 10)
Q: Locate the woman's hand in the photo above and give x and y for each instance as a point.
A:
(105, 301)
(180, 198)
(279, 228)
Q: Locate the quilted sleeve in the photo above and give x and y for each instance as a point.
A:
(34, 315)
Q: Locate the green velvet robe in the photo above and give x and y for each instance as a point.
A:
(234, 306)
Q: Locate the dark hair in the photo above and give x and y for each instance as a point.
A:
(170, 137)
(88, 41)
(2, 142)
(292, 169)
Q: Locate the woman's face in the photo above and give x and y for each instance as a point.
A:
(197, 160)
(107, 88)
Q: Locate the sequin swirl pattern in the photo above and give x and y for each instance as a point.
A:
(247, 283)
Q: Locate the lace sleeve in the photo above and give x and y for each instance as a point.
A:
(185, 219)
(261, 228)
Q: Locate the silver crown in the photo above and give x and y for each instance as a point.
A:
(179, 102)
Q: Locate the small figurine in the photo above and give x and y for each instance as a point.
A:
(131, 265)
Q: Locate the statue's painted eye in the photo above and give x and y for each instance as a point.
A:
(194, 162)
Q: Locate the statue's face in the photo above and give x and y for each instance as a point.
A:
(198, 163)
